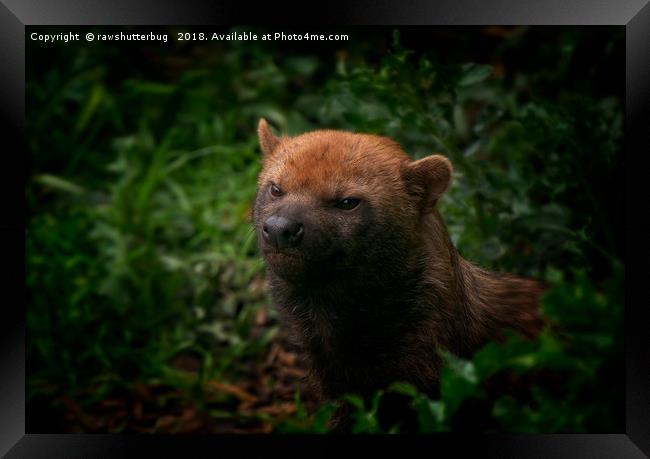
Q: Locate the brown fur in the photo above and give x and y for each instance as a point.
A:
(372, 294)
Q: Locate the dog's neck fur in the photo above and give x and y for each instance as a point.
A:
(483, 303)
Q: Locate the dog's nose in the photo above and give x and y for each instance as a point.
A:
(282, 232)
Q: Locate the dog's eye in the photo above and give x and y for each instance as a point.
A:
(348, 203)
(275, 191)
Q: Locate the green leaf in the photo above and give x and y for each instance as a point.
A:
(59, 183)
(404, 388)
(431, 415)
(458, 381)
(89, 109)
(473, 73)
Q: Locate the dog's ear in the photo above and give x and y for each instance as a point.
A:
(268, 140)
(428, 178)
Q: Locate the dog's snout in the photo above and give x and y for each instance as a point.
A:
(282, 232)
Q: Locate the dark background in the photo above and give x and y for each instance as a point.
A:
(148, 310)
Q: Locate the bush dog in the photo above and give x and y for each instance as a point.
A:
(361, 268)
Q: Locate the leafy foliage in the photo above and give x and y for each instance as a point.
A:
(143, 170)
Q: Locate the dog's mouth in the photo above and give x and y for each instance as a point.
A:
(281, 254)
(269, 249)
(288, 264)
(303, 261)
(298, 264)
(273, 255)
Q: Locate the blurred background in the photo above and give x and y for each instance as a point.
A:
(148, 309)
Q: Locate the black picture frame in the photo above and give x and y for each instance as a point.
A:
(16, 14)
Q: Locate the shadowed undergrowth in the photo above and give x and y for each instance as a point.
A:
(148, 309)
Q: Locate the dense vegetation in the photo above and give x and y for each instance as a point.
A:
(148, 309)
